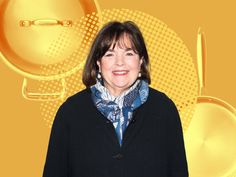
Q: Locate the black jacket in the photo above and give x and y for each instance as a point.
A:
(83, 142)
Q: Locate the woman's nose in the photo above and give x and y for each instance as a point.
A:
(119, 60)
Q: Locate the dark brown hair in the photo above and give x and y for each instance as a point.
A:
(112, 34)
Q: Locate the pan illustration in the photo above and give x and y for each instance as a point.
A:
(28, 28)
(210, 139)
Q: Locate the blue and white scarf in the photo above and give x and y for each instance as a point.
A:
(119, 110)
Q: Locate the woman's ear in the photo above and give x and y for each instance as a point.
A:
(141, 62)
(99, 65)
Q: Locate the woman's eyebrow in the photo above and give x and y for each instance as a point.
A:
(128, 49)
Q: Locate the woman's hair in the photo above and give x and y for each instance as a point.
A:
(112, 34)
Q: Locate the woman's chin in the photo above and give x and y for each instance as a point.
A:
(122, 85)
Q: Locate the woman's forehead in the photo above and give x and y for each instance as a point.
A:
(123, 42)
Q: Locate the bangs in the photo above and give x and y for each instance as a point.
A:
(123, 40)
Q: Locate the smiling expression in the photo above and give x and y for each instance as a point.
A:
(119, 67)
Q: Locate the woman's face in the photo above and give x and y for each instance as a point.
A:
(119, 67)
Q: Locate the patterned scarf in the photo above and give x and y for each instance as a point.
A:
(119, 110)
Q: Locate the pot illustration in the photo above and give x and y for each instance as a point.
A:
(210, 139)
(27, 30)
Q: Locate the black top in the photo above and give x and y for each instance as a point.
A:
(83, 142)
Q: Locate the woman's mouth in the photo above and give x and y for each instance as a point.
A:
(120, 72)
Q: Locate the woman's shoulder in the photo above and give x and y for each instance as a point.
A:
(157, 97)
(79, 99)
(159, 103)
(83, 94)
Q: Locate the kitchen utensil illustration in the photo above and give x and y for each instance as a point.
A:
(210, 139)
(28, 28)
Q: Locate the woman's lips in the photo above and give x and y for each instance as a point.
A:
(120, 72)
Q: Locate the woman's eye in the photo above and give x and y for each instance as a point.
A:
(129, 54)
(108, 55)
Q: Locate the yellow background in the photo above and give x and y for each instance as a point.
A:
(23, 134)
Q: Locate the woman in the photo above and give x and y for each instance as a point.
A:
(118, 126)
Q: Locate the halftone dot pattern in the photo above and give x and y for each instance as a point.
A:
(71, 45)
(84, 31)
(172, 68)
(49, 108)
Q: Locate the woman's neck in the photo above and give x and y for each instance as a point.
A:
(116, 92)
